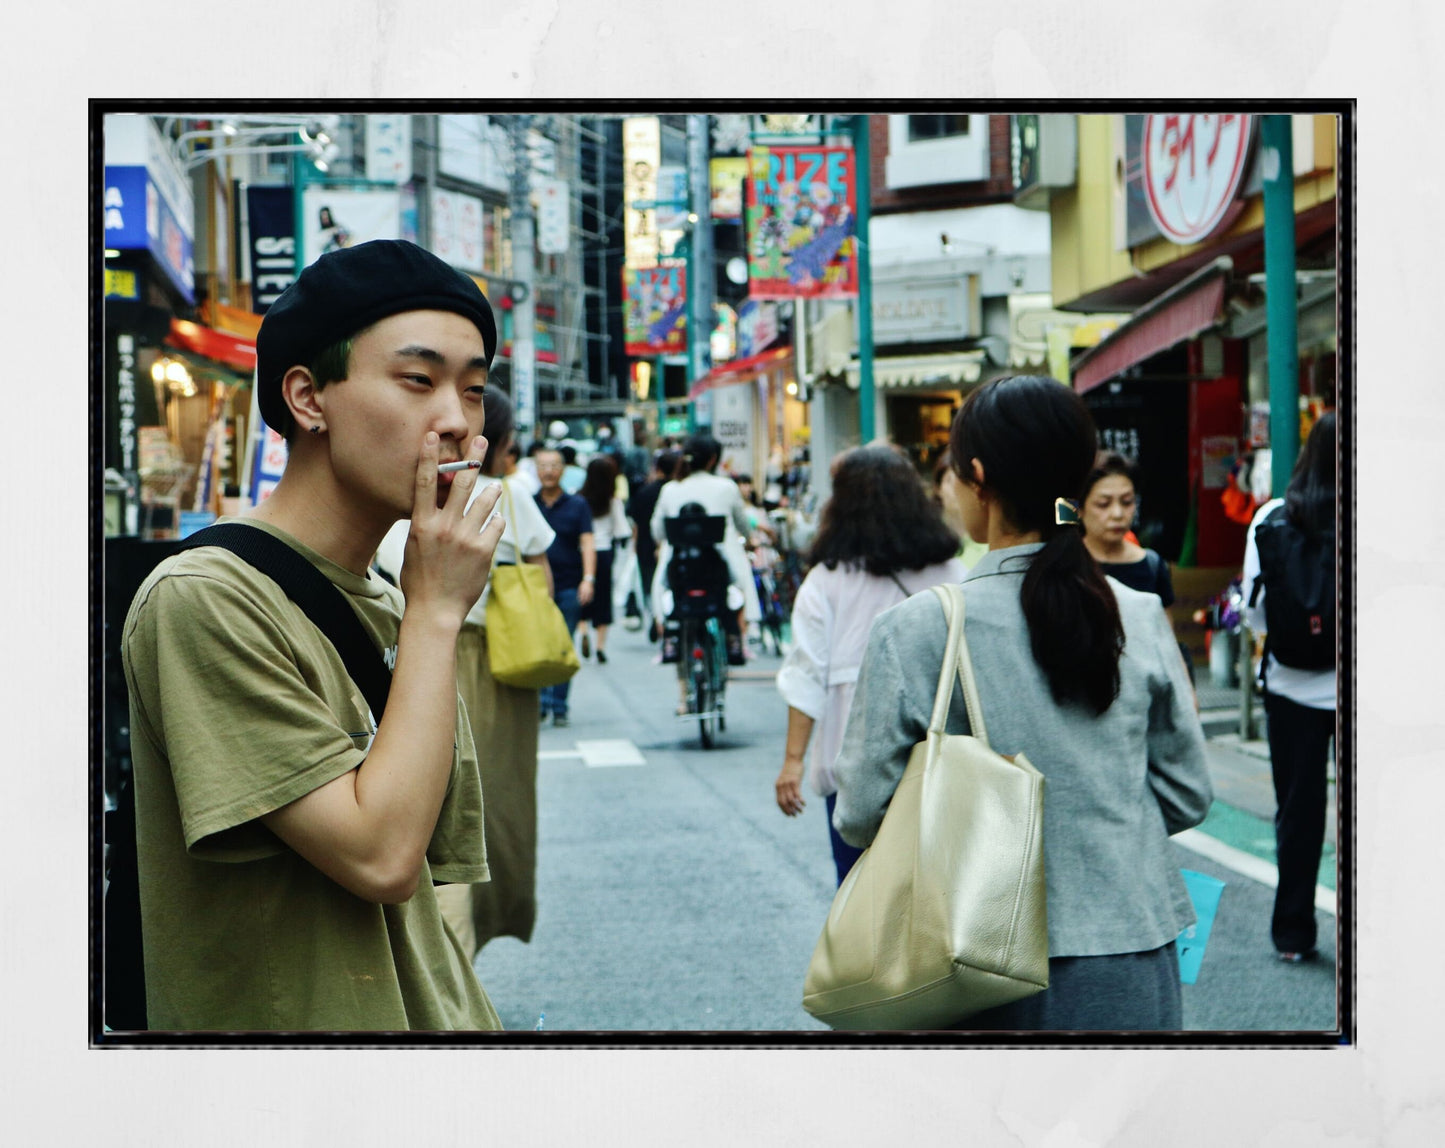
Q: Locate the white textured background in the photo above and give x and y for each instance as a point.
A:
(1390, 1089)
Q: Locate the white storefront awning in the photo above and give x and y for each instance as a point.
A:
(895, 372)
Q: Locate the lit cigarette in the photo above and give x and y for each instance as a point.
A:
(465, 464)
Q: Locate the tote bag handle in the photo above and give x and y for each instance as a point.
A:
(956, 661)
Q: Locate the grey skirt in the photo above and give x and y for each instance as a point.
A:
(1122, 992)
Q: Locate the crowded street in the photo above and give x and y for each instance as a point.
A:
(652, 572)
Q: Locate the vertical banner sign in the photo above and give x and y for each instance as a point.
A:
(336, 217)
(641, 157)
(271, 214)
(388, 148)
(125, 399)
(801, 220)
(733, 421)
(456, 228)
(552, 214)
(655, 310)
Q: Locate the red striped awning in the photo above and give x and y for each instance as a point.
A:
(1180, 313)
(738, 370)
(210, 343)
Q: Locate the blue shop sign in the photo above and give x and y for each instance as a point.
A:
(138, 217)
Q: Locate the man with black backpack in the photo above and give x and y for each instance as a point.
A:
(1289, 586)
(289, 831)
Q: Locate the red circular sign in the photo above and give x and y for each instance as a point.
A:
(1193, 168)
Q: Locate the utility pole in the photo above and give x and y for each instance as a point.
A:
(863, 181)
(524, 304)
(701, 276)
(1280, 299)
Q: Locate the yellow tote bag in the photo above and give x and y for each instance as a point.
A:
(944, 915)
(527, 640)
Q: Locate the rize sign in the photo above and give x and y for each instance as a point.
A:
(801, 222)
(1193, 169)
(655, 310)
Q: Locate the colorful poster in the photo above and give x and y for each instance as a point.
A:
(655, 310)
(726, 175)
(800, 222)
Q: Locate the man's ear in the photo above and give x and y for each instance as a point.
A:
(299, 389)
(977, 468)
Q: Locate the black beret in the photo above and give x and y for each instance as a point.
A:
(347, 290)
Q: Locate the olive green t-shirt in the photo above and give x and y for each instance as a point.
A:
(239, 705)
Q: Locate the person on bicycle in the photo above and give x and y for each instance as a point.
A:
(697, 482)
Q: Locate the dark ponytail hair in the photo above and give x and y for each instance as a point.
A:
(699, 453)
(1037, 443)
(1309, 498)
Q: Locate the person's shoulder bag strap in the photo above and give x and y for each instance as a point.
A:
(318, 598)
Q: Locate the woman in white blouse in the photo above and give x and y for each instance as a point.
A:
(881, 539)
(609, 528)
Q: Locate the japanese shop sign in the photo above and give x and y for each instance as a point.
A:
(1193, 168)
(553, 214)
(456, 228)
(655, 310)
(800, 223)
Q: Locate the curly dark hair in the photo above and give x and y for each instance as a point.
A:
(880, 517)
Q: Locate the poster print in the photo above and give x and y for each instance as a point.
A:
(655, 310)
(801, 220)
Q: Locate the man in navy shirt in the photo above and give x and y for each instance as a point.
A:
(572, 556)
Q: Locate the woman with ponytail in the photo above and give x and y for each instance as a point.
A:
(1079, 673)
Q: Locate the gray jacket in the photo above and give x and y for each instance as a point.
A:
(1116, 785)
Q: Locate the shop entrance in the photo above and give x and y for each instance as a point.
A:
(920, 425)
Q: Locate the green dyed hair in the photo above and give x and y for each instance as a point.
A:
(331, 364)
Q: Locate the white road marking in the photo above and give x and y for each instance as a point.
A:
(552, 754)
(609, 752)
(1247, 865)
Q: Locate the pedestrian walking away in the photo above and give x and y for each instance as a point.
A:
(1081, 675)
(1289, 591)
(503, 718)
(639, 508)
(289, 845)
(573, 560)
(880, 540)
(610, 529)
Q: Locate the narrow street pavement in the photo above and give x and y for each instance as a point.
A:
(674, 896)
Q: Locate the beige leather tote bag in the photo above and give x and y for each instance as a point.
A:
(944, 914)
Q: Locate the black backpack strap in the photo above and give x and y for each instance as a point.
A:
(318, 598)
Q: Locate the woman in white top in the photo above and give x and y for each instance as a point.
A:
(881, 540)
(609, 528)
(503, 718)
(697, 482)
(1299, 706)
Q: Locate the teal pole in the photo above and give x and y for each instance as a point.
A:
(1277, 160)
(861, 158)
